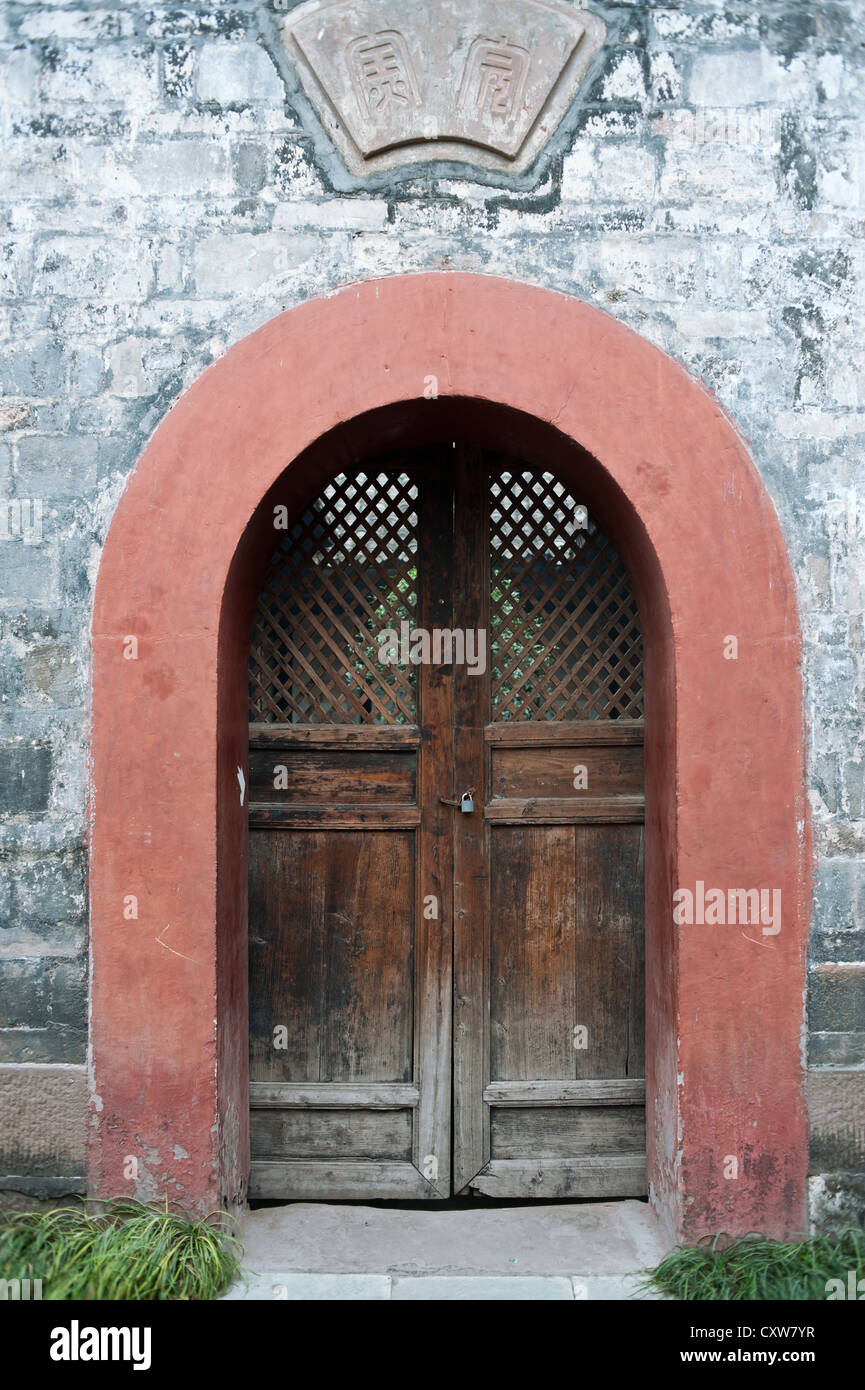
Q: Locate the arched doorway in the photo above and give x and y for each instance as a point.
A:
(446, 803)
(547, 379)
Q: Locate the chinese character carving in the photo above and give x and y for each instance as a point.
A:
(495, 79)
(480, 82)
(382, 73)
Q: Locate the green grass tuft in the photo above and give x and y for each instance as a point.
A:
(759, 1269)
(127, 1251)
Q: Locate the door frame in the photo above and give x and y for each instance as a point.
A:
(418, 359)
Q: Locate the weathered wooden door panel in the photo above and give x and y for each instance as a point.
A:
(533, 953)
(610, 967)
(424, 965)
(564, 1132)
(333, 1134)
(349, 979)
(550, 1096)
(333, 932)
(566, 1006)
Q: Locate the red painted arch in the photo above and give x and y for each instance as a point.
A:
(526, 370)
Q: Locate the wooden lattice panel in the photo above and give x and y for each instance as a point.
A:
(565, 631)
(345, 570)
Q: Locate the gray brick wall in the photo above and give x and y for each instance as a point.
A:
(159, 199)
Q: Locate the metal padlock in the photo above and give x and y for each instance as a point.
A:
(465, 802)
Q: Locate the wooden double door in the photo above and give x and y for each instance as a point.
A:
(445, 1000)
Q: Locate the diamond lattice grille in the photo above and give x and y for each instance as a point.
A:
(345, 570)
(565, 631)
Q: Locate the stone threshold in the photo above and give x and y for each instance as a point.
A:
(293, 1286)
(549, 1251)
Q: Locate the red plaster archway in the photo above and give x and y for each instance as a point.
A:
(530, 370)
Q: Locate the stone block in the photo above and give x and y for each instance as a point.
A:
(189, 168)
(836, 1049)
(353, 214)
(836, 1202)
(100, 75)
(25, 778)
(50, 1044)
(836, 1114)
(722, 174)
(619, 173)
(33, 368)
(47, 890)
(57, 467)
(742, 78)
(237, 73)
(244, 262)
(291, 1287)
(836, 998)
(482, 1287)
(43, 1116)
(92, 267)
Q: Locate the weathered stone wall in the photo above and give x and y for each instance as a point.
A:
(159, 199)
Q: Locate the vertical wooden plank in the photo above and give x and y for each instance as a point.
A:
(367, 956)
(434, 934)
(286, 942)
(331, 918)
(609, 910)
(532, 953)
(470, 769)
(637, 1004)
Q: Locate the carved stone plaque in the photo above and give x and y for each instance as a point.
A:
(482, 81)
